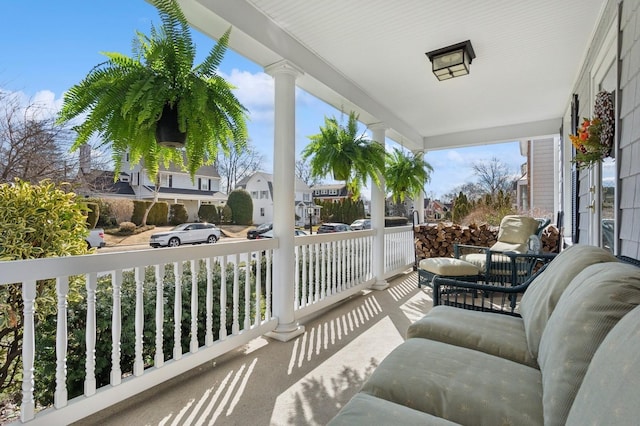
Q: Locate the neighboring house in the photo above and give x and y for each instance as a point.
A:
(539, 182)
(334, 192)
(175, 185)
(260, 186)
(435, 209)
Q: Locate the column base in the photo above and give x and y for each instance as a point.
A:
(286, 332)
(380, 285)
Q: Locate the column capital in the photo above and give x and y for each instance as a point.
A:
(377, 126)
(283, 67)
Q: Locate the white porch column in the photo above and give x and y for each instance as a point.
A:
(377, 216)
(284, 74)
(418, 205)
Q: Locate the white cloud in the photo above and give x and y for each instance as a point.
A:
(42, 105)
(255, 92)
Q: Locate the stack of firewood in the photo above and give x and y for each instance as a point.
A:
(437, 240)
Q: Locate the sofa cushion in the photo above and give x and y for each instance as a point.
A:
(517, 229)
(458, 384)
(494, 334)
(367, 410)
(609, 393)
(448, 266)
(542, 295)
(592, 304)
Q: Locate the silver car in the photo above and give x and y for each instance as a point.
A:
(187, 233)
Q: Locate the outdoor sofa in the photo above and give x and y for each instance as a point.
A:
(570, 358)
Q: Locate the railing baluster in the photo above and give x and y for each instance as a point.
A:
(116, 328)
(177, 311)
(267, 314)
(158, 360)
(247, 294)
(235, 326)
(208, 338)
(138, 364)
(62, 291)
(258, 318)
(316, 249)
(223, 298)
(90, 366)
(27, 409)
(325, 282)
(303, 290)
(296, 278)
(193, 343)
(310, 276)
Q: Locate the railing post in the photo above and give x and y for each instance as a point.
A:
(27, 409)
(284, 74)
(377, 217)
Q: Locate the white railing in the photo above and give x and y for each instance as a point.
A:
(155, 314)
(201, 309)
(331, 267)
(399, 250)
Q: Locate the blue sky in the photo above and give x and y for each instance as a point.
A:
(48, 46)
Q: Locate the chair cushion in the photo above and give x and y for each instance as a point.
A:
(609, 393)
(448, 266)
(593, 303)
(517, 229)
(542, 295)
(494, 334)
(367, 410)
(458, 384)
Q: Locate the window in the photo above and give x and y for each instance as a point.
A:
(262, 211)
(306, 197)
(254, 194)
(199, 183)
(170, 181)
(264, 195)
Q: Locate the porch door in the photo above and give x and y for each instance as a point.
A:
(603, 177)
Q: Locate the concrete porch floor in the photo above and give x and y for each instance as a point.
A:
(301, 382)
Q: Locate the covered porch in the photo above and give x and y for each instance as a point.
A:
(534, 62)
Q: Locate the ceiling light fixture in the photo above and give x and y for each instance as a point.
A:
(452, 61)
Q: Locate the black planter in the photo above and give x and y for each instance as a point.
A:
(167, 131)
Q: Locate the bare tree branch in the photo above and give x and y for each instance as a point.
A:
(237, 165)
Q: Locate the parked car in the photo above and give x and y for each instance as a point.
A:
(360, 224)
(96, 238)
(186, 233)
(328, 228)
(269, 234)
(261, 229)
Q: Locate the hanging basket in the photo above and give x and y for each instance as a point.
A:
(168, 133)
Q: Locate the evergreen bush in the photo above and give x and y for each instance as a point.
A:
(159, 214)
(241, 205)
(93, 213)
(178, 214)
(208, 213)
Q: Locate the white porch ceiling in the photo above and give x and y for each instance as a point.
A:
(369, 56)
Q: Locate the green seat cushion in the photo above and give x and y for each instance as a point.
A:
(609, 393)
(494, 334)
(458, 384)
(447, 266)
(544, 292)
(367, 410)
(593, 303)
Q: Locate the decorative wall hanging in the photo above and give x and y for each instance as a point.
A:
(594, 137)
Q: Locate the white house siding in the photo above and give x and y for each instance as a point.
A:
(258, 187)
(541, 177)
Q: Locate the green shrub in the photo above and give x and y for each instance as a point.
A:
(36, 221)
(178, 214)
(139, 207)
(106, 217)
(390, 221)
(159, 214)
(226, 214)
(208, 213)
(242, 207)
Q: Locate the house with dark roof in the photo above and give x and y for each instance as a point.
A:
(175, 185)
(335, 193)
(260, 186)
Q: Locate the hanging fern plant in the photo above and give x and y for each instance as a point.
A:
(406, 174)
(340, 151)
(125, 98)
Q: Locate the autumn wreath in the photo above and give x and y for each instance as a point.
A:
(594, 139)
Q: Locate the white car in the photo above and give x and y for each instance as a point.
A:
(187, 233)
